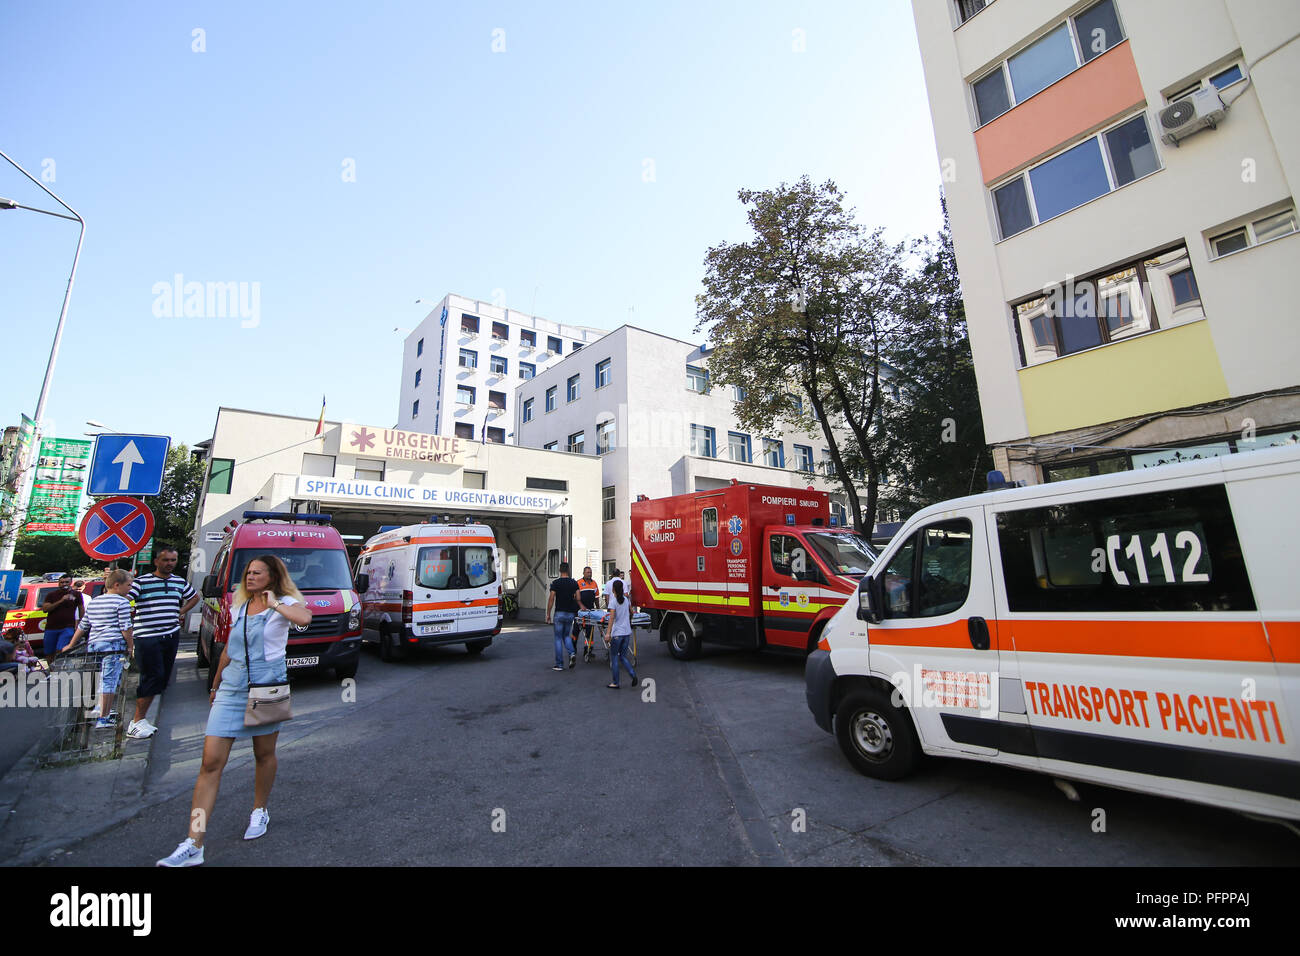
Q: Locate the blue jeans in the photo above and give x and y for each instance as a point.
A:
(618, 647)
(563, 643)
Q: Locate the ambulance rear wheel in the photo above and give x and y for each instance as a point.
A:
(477, 647)
(877, 737)
(682, 642)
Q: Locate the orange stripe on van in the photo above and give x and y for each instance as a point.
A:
(445, 605)
(1186, 640)
(1284, 638)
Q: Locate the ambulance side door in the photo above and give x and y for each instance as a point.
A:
(937, 639)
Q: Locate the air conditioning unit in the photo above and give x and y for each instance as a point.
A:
(1191, 114)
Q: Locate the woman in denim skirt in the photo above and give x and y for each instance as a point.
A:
(265, 605)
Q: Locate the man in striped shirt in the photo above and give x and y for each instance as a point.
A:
(162, 600)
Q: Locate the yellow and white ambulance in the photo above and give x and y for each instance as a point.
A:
(429, 585)
(1138, 630)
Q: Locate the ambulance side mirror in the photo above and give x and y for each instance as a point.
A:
(871, 599)
(362, 583)
(209, 589)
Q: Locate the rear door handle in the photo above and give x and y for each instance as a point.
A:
(978, 629)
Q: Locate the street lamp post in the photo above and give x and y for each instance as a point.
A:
(10, 533)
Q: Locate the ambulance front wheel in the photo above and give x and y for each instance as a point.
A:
(877, 737)
(682, 642)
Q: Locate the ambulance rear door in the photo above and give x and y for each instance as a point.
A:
(455, 585)
(937, 640)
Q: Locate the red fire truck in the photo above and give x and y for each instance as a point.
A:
(756, 566)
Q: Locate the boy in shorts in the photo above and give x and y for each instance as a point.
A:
(107, 622)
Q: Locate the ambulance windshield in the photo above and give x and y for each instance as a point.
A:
(845, 552)
(452, 567)
(312, 569)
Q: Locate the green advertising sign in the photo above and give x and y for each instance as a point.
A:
(57, 489)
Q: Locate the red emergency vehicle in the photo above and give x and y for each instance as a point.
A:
(317, 560)
(756, 566)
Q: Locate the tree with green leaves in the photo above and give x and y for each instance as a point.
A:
(804, 310)
(935, 430)
(175, 506)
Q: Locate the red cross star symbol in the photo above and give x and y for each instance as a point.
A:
(363, 439)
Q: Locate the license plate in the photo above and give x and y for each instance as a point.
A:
(437, 628)
(302, 661)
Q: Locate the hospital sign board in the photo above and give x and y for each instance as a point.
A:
(407, 446)
(417, 496)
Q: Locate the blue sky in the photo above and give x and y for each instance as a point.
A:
(518, 174)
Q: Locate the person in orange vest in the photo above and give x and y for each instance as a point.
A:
(588, 592)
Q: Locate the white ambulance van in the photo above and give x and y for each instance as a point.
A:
(1138, 630)
(429, 585)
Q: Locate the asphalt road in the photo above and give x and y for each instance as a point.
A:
(496, 759)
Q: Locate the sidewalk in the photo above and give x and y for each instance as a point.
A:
(43, 813)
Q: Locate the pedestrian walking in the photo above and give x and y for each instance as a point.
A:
(588, 592)
(63, 608)
(618, 634)
(563, 600)
(266, 603)
(107, 624)
(162, 600)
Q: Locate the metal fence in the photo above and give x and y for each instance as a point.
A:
(72, 695)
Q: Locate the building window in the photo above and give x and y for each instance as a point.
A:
(603, 373)
(1046, 60)
(468, 358)
(465, 430)
(464, 395)
(527, 338)
(527, 370)
(1096, 310)
(367, 469)
(415, 408)
(501, 331)
(550, 398)
(496, 436)
(469, 323)
(697, 379)
(738, 447)
(419, 348)
(605, 437)
(497, 400)
(318, 466)
(827, 466)
(572, 389)
(417, 377)
(576, 442)
(607, 503)
(574, 347)
(546, 484)
(498, 365)
(1254, 232)
(528, 409)
(738, 393)
(1076, 176)
(968, 8)
(773, 453)
(473, 479)
(607, 569)
(551, 446)
(554, 344)
(803, 458)
(219, 475)
(702, 441)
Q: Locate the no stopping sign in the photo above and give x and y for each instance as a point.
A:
(115, 528)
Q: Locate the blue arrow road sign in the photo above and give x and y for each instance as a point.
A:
(128, 464)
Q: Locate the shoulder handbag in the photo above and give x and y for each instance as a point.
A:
(267, 703)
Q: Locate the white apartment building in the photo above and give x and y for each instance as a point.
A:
(1121, 179)
(641, 402)
(461, 364)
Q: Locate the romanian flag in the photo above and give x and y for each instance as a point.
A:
(320, 422)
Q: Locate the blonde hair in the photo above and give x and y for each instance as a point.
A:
(281, 584)
(115, 577)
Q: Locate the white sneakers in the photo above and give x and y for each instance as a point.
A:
(257, 821)
(140, 729)
(187, 854)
